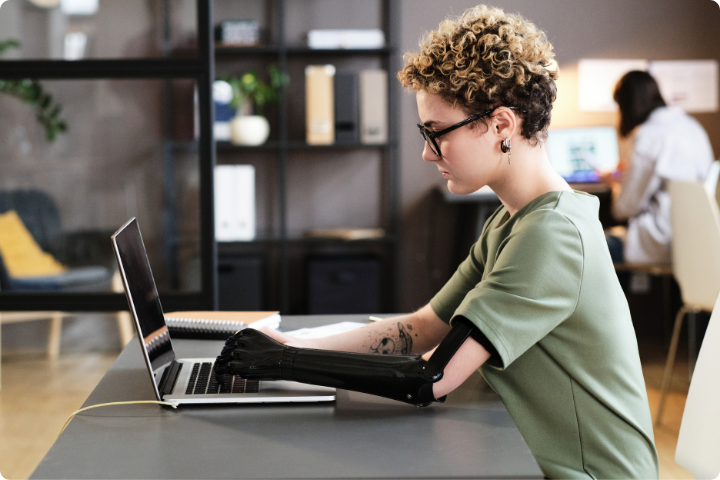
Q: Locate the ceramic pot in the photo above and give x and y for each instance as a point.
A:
(249, 130)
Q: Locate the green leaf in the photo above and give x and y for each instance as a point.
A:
(47, 113)
(45, 100)
(9, 43)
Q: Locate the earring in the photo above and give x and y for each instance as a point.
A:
(505, 146)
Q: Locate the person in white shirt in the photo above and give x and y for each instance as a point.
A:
(669, 146)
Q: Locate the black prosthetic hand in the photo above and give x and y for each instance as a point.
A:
(406, 378)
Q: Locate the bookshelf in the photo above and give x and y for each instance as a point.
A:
(285, 203)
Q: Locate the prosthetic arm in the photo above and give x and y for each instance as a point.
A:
(407, 378)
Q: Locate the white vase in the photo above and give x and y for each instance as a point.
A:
(249, 130)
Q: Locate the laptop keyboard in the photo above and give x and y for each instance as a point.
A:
(202, 381)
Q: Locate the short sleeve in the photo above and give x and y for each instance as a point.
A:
(451, 295)
(533, 286)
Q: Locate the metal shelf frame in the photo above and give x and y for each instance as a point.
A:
(281, 53)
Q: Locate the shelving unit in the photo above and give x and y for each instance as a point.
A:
(284, 248)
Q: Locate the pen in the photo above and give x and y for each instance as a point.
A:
(375, 319)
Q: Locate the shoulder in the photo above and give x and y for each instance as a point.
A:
(546, 224)
(664, 122)
(552, 226)
(670, 131)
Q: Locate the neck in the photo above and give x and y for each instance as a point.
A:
(528, 176)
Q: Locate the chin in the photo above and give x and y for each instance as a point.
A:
(456, 189)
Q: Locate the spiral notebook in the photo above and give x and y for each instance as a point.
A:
(211, 325)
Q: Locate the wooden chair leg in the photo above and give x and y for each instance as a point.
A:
(125, 323)
(692, 343)
(125, 326)
(670, 363)
(0, 351)
(54, 337)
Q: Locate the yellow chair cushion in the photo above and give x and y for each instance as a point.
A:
(21, 254)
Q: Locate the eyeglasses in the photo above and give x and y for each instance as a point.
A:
(430, 137)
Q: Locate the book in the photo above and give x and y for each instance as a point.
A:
(211, 325)
(373, 107)
(319, 105)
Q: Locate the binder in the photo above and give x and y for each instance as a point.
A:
(234, 203)
(319, 104)
(347, 114)
(373, 107)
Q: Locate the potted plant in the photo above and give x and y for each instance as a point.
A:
(250, 95)
(47, 111)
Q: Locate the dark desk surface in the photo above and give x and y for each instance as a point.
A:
(358, 436)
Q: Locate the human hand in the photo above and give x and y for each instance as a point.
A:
(250, 354)
(286, 339)
(611, 179)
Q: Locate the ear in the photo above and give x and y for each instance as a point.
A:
(505, 123)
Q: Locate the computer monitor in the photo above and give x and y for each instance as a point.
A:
(578, 153)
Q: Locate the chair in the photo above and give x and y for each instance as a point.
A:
(712, 178)
(87, 253)
(696, 263)
(698, 447)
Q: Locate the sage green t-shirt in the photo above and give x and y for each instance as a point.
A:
(541, 287)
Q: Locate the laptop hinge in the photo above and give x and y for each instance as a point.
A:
(169, 378)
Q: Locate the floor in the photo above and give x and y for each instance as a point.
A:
(29, 424)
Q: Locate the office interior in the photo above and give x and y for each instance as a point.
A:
(133, 149)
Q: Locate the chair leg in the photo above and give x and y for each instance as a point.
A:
(54, 337)
(125, 327)
(0, 351)
(692, 343)
(670, 362)
(125, 324)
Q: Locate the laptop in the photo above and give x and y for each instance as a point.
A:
(579, 153)
(187, 380)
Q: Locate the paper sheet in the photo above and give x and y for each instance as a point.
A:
(326, 330)
(597, 80)
(689, 84)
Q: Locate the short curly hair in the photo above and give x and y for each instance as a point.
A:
(484, 59)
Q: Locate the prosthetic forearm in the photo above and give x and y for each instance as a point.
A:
(407, 378)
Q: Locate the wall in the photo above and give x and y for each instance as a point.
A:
(651, 29)
(648, 29)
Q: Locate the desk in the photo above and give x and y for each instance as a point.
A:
(470, 436)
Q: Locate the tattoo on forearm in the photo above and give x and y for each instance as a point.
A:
(392, 343)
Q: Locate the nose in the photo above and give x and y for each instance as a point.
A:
(428, 155)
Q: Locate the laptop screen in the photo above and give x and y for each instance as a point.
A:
(578, 153)
(142, 294)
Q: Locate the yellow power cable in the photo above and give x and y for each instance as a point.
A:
(171, 404)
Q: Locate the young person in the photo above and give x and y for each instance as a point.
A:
(538, 299)
(668, 145)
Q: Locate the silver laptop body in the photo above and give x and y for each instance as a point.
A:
(188, 380)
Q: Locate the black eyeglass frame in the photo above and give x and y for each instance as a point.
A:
(430, 137)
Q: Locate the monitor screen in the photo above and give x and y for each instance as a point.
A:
(142, 294)
(578, 153)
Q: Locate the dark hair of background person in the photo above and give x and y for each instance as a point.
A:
(637, 94)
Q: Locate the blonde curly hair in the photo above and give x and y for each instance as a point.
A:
(484, 59)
